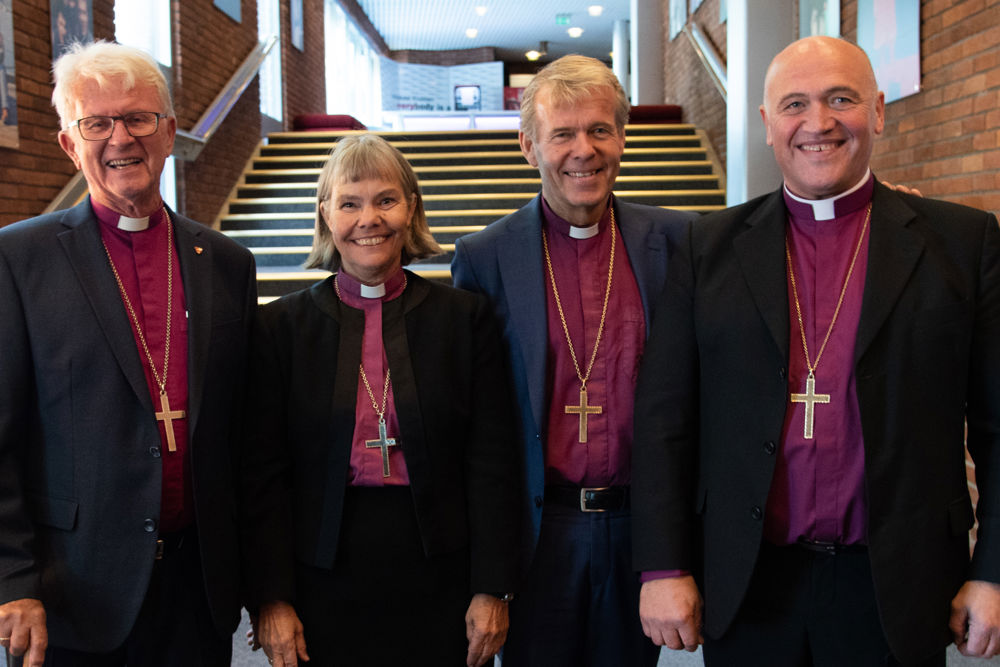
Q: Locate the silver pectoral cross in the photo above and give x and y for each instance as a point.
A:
(810, 398)
(384, 444)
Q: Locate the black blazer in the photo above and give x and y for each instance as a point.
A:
(455, 431)
(712, 396)
(80, 477)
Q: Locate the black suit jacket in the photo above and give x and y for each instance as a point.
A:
(455, 431)
(712, 396)
(80, 483)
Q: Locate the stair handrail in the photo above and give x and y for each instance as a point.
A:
(188, 144)
(709, 57)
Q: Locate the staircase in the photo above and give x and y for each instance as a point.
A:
(468, 180)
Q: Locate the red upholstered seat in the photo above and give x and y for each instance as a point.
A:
(322, 121)
(655, 114)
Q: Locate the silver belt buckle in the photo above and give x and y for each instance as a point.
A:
(583, 498)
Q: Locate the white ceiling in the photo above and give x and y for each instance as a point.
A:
(512, 26)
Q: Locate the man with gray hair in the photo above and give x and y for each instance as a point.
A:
(122, 354)
(572, 277)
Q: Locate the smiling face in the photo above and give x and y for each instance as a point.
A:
(822, 111)
(369, 221)
(122, 172)
(577, 150)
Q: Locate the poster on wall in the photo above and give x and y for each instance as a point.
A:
(819, 17)
(889, 32)
(433, 88)
(229, 7)
(295, 17)
(8, 91)
(71, 21)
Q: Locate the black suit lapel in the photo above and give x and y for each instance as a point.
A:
(893, 252)
(82, 243)
(761, 254)
(195, 257)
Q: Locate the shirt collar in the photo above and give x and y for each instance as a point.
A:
(112, 218)
(833, 207)
(558, 224)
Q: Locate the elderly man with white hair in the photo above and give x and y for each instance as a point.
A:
(122, 352)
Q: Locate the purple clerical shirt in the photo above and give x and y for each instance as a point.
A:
(818, 489)
(141, 260)
(581, 274)
(366, 462)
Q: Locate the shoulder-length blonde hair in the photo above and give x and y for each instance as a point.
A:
(361, 157)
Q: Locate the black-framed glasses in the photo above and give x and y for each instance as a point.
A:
(137, 124)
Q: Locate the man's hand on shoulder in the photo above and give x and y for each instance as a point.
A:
(670, 611)
(975, 619)
(22, 630)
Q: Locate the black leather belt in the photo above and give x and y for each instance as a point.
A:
(589, 498)
(170, 543)
(830, 548)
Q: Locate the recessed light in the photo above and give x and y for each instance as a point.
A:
(481, 10)
(471, 33)
(595, 10)
(574, 32)
(533, 55)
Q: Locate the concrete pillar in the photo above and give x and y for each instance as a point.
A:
(754, 36)
(620, 47)
(646, 51)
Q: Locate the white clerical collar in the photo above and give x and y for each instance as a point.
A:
(584, 232)
(372, 291)
(133, 224)
(824, 209)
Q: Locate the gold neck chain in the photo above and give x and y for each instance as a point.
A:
(843, 290)
(604, 310)
(161, 380)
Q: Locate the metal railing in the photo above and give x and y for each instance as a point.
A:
(709, 57)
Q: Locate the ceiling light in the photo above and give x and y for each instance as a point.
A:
(481, 10)
(574, 32)
(534, 54)
(471, 33)
(595, 10)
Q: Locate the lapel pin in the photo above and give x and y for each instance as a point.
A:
(198, 250)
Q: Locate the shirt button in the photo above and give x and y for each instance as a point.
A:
(781, 373)
(154, 452)
(770, 447)
(149, 525)
(756, 513)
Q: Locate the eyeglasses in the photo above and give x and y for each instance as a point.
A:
(137, 124)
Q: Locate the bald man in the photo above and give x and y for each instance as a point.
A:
(821, 352)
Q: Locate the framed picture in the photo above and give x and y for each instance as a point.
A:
(71, 21)
(230, 8)
(8, 85)
(889, 32)
(819, 17)
(298, 34)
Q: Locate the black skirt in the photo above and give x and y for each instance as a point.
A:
(384, 602)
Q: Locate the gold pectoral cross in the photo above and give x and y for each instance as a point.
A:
(810, 398)
(583, 410)
(167, 416)
(384, 444)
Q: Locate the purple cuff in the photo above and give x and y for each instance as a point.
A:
(653, 575)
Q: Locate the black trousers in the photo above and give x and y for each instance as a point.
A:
(807, 608)
(174, 627)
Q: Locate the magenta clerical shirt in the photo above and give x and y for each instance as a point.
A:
(818, 489)
(581, 274)
(141, 259)
(366, 462)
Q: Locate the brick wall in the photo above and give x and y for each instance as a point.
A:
(483, 54)
(685, 81)
(208, 47)
(304, 71)
(946, 138)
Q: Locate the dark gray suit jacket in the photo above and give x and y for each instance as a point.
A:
(504, 262)
(79, 480)
(712, 395)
